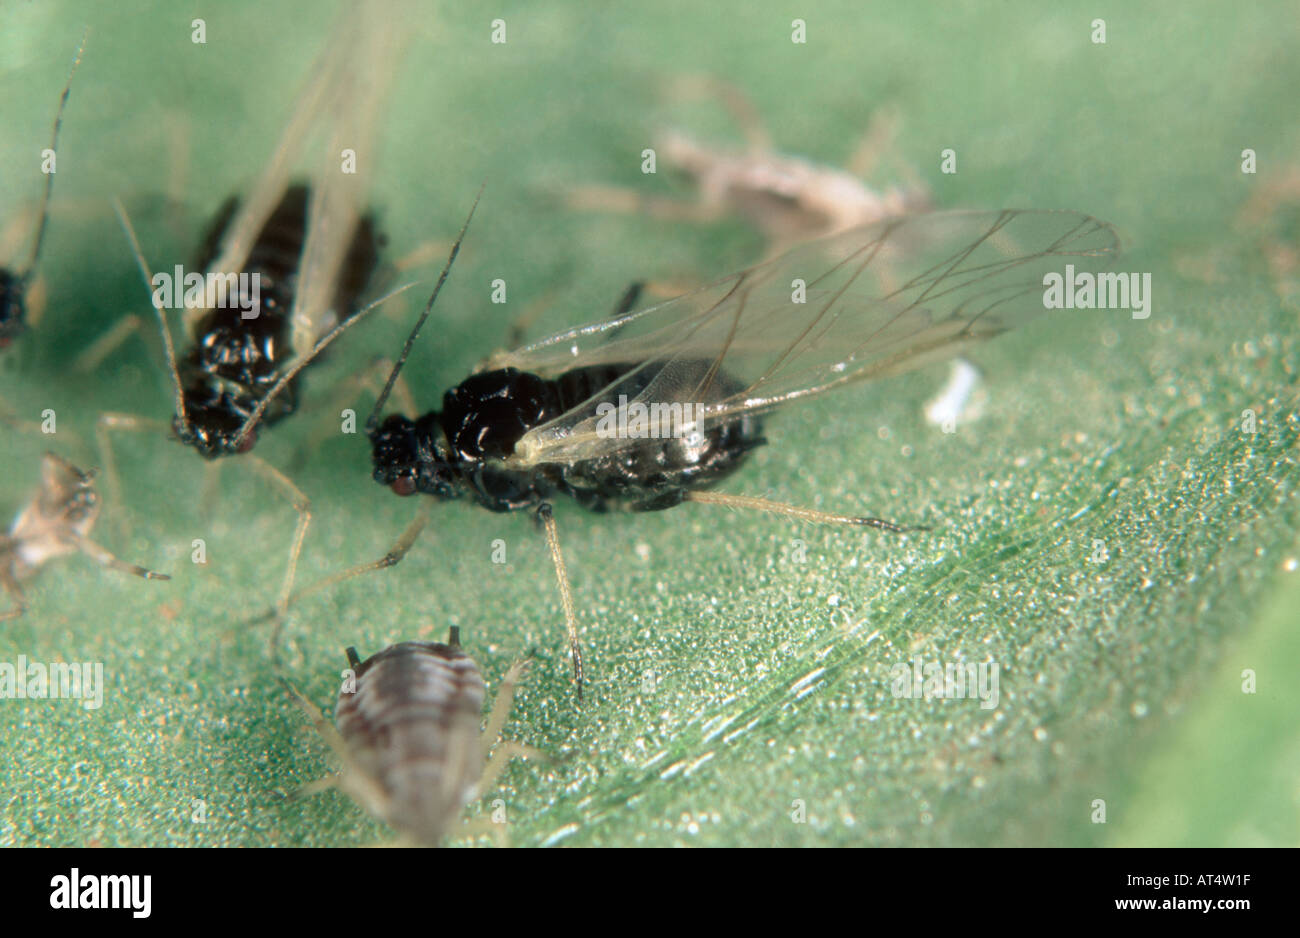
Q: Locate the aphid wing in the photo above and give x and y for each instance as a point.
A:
(270, 187)
(319, 92)
(339, 197)
(878, 300)
(630, 337)
(17, 235)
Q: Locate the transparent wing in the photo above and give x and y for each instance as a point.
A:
(874, 301)
(339, 199)
(336, 109)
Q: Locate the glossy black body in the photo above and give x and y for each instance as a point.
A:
(235, 361)
(461, 449)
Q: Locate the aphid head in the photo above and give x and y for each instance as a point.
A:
(12, 309)
(408, 460)
(213, 425)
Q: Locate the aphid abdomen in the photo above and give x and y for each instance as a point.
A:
(247, 348)
(655, 474)
(412, 725)
(358, 266)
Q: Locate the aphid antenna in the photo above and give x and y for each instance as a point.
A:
(54, 147)
(373, 421)
(255, 417)
(168, 345)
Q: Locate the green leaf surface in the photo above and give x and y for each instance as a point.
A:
(740, 664)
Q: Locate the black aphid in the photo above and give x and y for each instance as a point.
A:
(231, 372)
(282, 271)
(645, 410)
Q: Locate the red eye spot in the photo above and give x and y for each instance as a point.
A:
(248, 442)
(403, 485)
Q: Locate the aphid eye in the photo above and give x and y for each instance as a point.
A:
(249, 441)
(403, 485)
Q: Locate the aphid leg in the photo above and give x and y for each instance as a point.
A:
(501, 707)
(390, 559)
(117, 334)
(97, 351)
(107, 423)
(547, 518)
(15, 592)
(327, 732)
(315, 788)
(630, 297)
(877, 140)
(793, 511)
(302, 505)
(486, 826)
(495, 762)
(737, 103)
(351, 778)
(102, 556)
(423, 254)
(13, 421)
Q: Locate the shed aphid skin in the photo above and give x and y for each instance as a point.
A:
(548, 419)
(14, 284)
(56, 522)
(407, 735)
(790, 199)
(293, 260)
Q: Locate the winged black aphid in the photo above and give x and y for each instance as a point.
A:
(647, 409)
